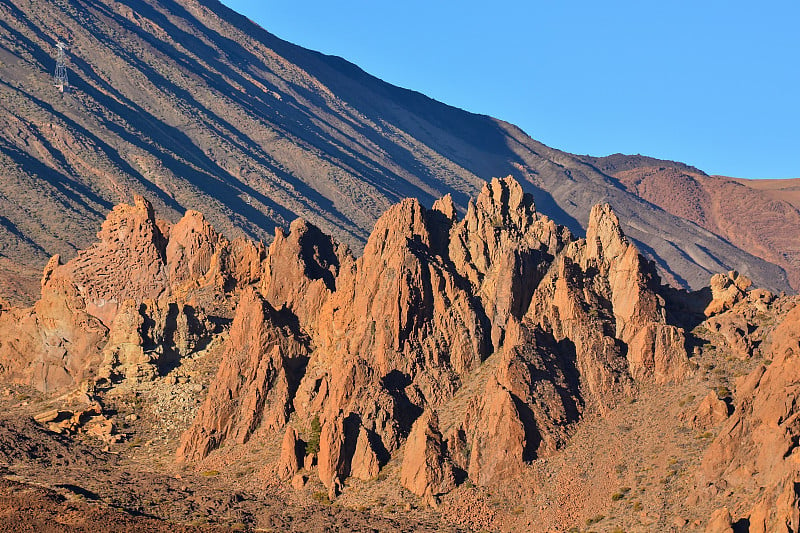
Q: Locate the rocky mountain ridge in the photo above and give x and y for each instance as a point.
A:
(195, 107)
(454, 355)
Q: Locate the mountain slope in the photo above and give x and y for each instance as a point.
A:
(760, 217)
(194, 106)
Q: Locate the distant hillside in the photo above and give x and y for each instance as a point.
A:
(761, 216)
(195, 106)
(787, 190)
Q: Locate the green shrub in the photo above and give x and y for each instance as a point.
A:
(312, 444)
(321, 497)
(620, 494)
(595, 519)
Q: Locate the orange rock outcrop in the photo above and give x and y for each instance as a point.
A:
(528, 325)
(757, 448)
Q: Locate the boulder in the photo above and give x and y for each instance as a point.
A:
(726, 290)
(253, 383)
(365, 464)
(710, 413)
(426, 470)
(720, 521)
(331, 459)
(289, 462)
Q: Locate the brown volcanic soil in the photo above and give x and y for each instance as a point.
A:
(760, 216)
(786, 190)
(193, 106)
(19, 284)
(30, 508)
(53, 483)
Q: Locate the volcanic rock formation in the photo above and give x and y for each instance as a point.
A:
(367, 345)
(452, 354)
(757, 449)
(573, 324)
(130, 301)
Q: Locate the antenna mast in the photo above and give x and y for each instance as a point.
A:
(60, 77)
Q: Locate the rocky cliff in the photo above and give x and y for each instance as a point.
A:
(543, 326)
(756, 451)
(455, 354)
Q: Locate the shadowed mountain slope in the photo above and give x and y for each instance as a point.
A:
(196, 107)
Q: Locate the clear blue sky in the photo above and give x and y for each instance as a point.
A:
(712, 83)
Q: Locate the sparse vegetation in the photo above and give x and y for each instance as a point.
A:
(688, 399)
(321, 497)
(595, 519)
(312, 444)
(620, 494)
(236, 392)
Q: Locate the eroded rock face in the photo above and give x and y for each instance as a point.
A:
(402, 302)
(289, 462)
(726, 290)
(504, 248)
(545, 389)
(150, 338)
(571, 306)
(365, 463)
(332, 463)
(369, 346)
(778, 514)
(757, 448)
(720, 521)
(656, 350)
(191, 248)
(124, 356)
(396, 335)
(128, 261)
(735, 329)
(602, 297)
(711, 412)
(301, 269)
(57, 343)
(118, 303)
(499, 439)
(254, 384)
(426, 470)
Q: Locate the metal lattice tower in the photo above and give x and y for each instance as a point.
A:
(60, 77)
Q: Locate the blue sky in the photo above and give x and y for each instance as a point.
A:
(712, 83)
